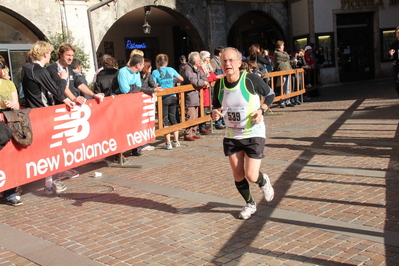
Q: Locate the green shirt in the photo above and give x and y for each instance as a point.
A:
(6, 88)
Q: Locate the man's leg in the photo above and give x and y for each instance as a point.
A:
(237, 166)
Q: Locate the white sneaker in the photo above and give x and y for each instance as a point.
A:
(58, 186)
(168, 146)
(267, 189)
(148, 148)
(247, 211)
(175, 144)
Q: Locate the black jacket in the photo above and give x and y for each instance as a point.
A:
(104, 81)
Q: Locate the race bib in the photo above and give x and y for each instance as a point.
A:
(236, 117)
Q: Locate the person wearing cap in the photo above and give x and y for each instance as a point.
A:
(394, 54)
(183, 62)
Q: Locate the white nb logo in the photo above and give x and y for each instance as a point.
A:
(76, 126)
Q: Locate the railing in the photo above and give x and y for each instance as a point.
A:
(180, 90)
(295, 74)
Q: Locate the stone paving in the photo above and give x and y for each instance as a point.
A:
(334, 163)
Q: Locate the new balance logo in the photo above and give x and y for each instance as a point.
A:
(75, 126)
(148, 109)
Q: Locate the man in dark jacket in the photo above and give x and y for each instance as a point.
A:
(192, 74)
(106, 77)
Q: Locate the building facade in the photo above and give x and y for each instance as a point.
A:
(176, 27)
(355, 35)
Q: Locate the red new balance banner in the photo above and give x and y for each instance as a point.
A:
(65, 139)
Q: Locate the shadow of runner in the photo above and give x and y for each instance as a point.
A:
(392, 201)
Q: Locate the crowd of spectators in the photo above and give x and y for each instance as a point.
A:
(64, 83)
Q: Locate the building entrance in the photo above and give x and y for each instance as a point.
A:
(355, 46)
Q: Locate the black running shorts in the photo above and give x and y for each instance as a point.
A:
(253, 147)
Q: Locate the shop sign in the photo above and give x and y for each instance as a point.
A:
(362, 3)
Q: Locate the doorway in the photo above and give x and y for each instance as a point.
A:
(355, 46)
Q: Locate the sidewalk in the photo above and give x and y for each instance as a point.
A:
(334, 163)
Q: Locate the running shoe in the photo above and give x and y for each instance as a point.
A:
(267, 189)
(148, 148)
(168, 146)
(71, 173)
(58, 186)
(175, 144)
(247, 211)
(14, 202)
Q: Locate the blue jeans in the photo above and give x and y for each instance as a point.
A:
(220, 122)
(286, 85)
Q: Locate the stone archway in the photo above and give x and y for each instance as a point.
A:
(256, 23)
(171, 31)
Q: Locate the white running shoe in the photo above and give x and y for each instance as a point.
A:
(58, 186)
(267, 189)
(148, 148)
(247, 211)
(168, 146)
(175, 144)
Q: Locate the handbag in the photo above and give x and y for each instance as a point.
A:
(19, 123)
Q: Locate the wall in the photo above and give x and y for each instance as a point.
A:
(323, 16)
(300, 20)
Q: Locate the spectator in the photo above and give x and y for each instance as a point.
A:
(129, 81)
(183, 62)
(166, 77)
(77, 69)
(215, 61)
(38, 86)
(255, 54)
(8, 101)
(282, 62)
(75, 88)
(310, 65)
(106, 77)
(394, 54)
(206, 67)
(217, 67)
(254, 68)
(100, 66)
(193, 75)
(148, 86)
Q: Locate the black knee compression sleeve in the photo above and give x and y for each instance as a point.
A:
(243, 188)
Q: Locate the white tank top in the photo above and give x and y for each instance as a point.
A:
(238, 105)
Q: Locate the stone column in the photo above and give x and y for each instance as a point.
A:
(216, 24)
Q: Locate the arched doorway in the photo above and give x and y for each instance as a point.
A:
(255, 27)
(171, 33)
(16, 39)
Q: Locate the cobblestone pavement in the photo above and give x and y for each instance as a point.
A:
(334, 164)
